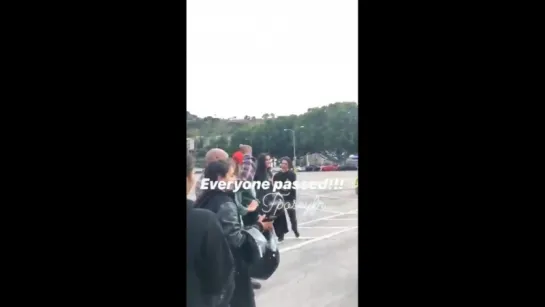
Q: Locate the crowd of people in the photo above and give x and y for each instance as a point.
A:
(220, 224)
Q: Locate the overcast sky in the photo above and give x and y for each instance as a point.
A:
(249, 57)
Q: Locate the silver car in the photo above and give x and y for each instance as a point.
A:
(352, 161)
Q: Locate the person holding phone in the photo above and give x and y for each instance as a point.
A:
(210, 265)
(220, 199)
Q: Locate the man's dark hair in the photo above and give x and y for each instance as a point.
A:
(190, 164)
(290, 165)
(218, 169)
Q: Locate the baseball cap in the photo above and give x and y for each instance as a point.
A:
(238, 157)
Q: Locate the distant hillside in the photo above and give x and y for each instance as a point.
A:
(328, 129)
(190, 116)
(212, 126)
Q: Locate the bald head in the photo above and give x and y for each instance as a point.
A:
(215, 154)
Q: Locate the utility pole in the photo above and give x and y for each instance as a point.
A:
(293, 137)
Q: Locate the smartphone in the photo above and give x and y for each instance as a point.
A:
(269, 218)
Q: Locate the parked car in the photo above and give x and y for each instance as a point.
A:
(352, 160)
(348, 168)
(329, 168)
(312, 168)
(300, 169)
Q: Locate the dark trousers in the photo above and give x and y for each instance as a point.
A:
(243, 296)
(293, 219)
(281, 225)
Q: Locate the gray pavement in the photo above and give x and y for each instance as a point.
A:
(319, 269)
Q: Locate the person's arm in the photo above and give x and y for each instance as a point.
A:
(251, 204)
(218, 264)
(242, 210)
(274, 178)
(293, 178)
(229, 221)
(238, 201)
(247, 197)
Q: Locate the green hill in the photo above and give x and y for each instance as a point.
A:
(332, 128)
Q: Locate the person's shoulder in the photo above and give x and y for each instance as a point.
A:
(228, 204)
(221, 197)
(281, 174)
(228, 211)
(201, 218)
(202, 213)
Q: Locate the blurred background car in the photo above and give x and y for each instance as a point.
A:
(312, 168)
(347, 168)
(329, 168)
(352, 161)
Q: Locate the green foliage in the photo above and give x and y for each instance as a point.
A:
(331, 128)
(222, 142)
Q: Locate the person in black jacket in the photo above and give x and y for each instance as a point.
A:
(289, 196)
(210, 265)
(221, 200)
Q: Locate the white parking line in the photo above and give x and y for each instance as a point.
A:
(300, 238)
(287, 249)
(321, 210)
(342, 219)
(326, 218)
(324, 227)
(326, 196)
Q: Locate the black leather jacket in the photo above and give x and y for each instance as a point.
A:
(223, 204)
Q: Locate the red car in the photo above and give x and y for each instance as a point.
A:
(329, 168)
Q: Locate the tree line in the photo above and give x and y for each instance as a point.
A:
(332, 128)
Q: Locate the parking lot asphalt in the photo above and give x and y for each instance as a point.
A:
(320, 268)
